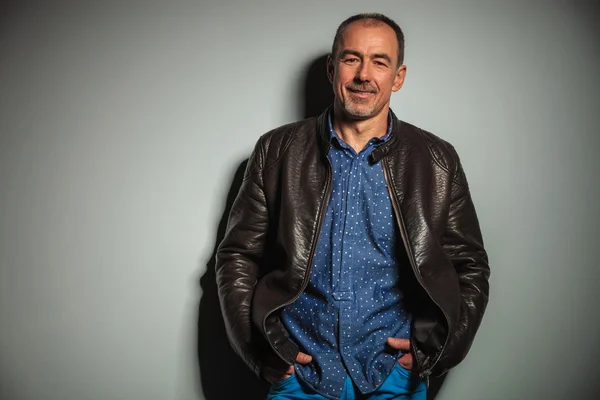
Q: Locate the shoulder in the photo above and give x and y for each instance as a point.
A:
(274, 143)
(441, 151)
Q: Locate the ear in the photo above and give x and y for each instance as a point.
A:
(330, 68)
(399, 78)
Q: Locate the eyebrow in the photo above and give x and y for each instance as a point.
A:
(347, 52)
(382, 55)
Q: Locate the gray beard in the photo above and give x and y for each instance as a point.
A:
(352, 109)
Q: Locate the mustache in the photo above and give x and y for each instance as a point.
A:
(361, 88)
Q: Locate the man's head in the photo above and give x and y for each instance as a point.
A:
(365, 65)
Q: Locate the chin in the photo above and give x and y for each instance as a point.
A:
(359, 112)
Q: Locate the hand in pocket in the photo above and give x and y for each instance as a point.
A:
(406, 361)
(273, 375)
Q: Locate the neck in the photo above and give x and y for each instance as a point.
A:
(357, 133)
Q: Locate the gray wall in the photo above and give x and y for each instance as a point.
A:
(121, 127)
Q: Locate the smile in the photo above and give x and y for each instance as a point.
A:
(361, 94)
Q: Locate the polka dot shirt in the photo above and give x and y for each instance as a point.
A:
(352, 302)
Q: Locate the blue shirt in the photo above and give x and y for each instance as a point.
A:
(352, 302)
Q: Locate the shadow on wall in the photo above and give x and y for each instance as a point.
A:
(223, 375)
(318, 94)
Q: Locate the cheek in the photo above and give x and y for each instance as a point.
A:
(386, 84)
(340, 86)
(344, 76)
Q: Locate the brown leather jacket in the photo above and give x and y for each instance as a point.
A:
(264, 261)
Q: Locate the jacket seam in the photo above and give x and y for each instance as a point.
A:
(282, 153)
(261, 157)
(437, 160)
(290, 136)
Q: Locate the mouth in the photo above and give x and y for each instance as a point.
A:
(363, 94)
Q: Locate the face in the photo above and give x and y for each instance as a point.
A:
(365, 71)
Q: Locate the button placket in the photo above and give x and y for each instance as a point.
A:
(344, 293)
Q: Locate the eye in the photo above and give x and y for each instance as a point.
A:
(381, 64)
(350, 60)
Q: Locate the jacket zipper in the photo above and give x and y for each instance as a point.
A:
(411, 257)
(314, 246)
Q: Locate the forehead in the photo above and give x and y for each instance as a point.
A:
(368, 36)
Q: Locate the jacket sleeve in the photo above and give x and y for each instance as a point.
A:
(463, 244)
(238, 262)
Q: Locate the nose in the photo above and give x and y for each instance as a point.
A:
(363, 74)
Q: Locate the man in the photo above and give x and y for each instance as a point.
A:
(353, 264)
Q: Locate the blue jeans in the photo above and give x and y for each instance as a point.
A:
(396, 386)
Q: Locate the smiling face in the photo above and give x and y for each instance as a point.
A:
(364, 71)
